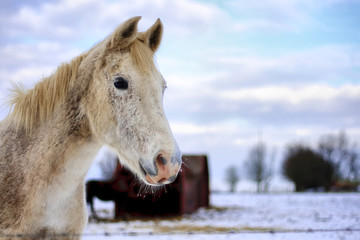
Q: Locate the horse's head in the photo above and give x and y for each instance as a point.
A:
(126, 103)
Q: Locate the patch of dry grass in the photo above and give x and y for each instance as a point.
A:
(186, 228)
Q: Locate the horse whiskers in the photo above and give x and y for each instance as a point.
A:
(148, 190)
(185, 163)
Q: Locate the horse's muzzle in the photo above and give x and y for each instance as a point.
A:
(164, 170)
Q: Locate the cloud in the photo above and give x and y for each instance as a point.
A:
(28, 63)
(70, 20)
(328, 63)
(273, 15)
(310, 105)
(293, 96)
(313, 87)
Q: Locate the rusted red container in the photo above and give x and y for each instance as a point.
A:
(185, 195)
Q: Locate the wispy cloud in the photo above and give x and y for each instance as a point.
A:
(330, 64)
(73, 20)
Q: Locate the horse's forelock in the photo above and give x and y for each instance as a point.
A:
(142, 56)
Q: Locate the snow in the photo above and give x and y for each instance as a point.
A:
(245, 216)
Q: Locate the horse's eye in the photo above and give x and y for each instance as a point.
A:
(121, 83)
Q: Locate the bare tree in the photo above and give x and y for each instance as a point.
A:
(269, 170)
(354, 163)
(232, 177)
(258, 168)
(108, 165)
(343, 155)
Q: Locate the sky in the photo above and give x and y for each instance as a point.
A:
(237, 71)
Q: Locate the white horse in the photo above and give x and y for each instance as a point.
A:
(110, 95)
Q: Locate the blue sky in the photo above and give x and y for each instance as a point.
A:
(288, 69)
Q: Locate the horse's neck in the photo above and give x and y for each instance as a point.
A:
(56, 153)
(66, 151)
(47, 169)
(73, 155)
(77, 160)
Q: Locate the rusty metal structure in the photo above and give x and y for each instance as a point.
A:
(185, 195)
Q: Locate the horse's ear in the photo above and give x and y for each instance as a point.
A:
(125, 34)
(152, 37)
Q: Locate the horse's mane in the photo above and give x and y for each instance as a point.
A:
(32, 107)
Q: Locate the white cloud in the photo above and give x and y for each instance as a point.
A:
(273, 15)
(312, 93)
(30, 62)
(67, 19)
(303, 132)
(286, 106)
(258, 24)
(188, 128)
(327, 64)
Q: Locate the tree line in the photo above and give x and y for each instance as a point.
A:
(334, 164)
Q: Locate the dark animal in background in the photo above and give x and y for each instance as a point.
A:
(101, 190)
(116, 189)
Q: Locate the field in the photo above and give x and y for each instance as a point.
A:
(245, 216)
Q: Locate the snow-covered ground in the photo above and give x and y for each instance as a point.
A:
(246, 216)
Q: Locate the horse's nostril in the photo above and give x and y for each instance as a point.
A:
(148, 169)
(161, 160)
(142, 170)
